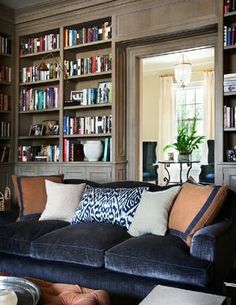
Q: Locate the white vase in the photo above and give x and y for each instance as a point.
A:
(93, 150)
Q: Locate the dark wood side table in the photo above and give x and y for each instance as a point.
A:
(230, 286)
(8, 216)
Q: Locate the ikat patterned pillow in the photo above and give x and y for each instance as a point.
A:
(116, 206)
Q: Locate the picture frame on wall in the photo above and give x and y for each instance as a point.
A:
(104, 92)
(77, 96)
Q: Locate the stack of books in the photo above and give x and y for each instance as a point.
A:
(230, 82)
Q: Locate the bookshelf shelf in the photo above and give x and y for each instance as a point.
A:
(39, 111)
(92, 106)
(40, 82)
(94, 135)
(5, 83)
(40, 54)
(38, 137)
(90, 45)
(5, 55)
(90, 76)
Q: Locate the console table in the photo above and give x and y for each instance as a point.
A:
(167, 164)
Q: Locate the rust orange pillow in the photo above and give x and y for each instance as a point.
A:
(196, 206)
(31, 192)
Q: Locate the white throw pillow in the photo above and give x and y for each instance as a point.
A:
(62, 200)
(152, 212)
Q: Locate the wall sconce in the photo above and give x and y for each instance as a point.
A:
(43, 66)
(183, 71)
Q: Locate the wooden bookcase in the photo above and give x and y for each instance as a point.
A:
(226, 113)
(84, 57)
(6, 99)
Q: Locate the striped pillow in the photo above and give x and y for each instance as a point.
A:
(195, 207)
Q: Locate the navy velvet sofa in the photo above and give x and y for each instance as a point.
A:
(104, 256)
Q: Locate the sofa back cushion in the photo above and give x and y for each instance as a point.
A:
(196, 206)
(31, 193)
(109, 205)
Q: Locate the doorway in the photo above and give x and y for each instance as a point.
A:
(166, 105)
(134, 57)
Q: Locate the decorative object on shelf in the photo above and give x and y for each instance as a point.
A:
(36, 130)
(93, 150)
(183, 70)
(2, 202)
(50, 127)
(231, 155)
(43, 66)
(186, 141)
(104, 92)
(77, 97)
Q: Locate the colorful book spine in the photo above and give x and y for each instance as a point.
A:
(4, 102)
(38, 99)
(89, 65)
(42, 43)
(229, 35)
(78, 36)
(33, 74)
(87, 125)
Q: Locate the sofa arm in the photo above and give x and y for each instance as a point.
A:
(205, 241)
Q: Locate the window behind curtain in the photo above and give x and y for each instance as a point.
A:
(189, 104)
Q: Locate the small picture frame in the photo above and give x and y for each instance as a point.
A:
(55, 129)
(104, 93)
(36, 130)
(231, 155)
(77, 96)
(48, 127)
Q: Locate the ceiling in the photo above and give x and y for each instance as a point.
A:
(199, 57)
(17, 4)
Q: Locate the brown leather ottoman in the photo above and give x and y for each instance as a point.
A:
(66, 294)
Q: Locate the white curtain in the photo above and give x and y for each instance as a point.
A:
(165, 116)
(209, 109)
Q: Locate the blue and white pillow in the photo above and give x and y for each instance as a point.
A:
(116, 206)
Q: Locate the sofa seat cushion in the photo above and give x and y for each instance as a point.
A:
(83, 243)
(15, 238)
(161, 257)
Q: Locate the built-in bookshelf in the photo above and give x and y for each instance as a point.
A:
(6, 98)
(229, 87)
(73, 93)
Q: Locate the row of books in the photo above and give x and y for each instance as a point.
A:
(73, 37)
(33, 74)
(88, 65)
(5, 74)
(229, 117)
(43, 153)
(38, 99)
(4, 102)
(39, 44)
(87, 125)
(5, 129)
(4, 153)
(229, 35)
(73, 150)
(5, 45)
(230, 82)
(229, 6)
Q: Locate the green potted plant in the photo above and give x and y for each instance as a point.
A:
(186, 141)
